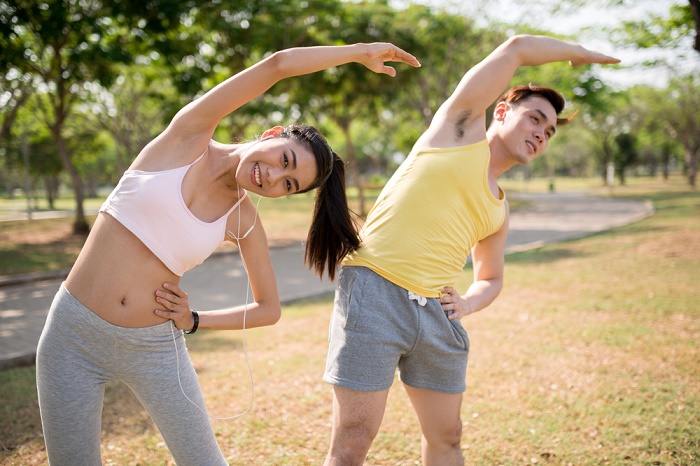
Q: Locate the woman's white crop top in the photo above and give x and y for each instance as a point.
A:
(150, 205)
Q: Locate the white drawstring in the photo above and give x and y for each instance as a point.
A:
(422, 300)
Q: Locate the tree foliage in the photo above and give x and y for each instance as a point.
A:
(68, 43)
(670, 31)
(107, 77)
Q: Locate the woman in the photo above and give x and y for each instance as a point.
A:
(182, 196)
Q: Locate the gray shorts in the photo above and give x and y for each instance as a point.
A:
(378, 326)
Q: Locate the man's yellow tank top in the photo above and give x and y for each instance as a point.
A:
(433, 210)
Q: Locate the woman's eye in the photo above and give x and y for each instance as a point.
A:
(289, 185)
(286, 161)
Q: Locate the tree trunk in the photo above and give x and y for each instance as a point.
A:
(695, 9)
(80, 225)
(666, 162)
(691, 159)
(352, 168)
(621, 176)
(9, 118)
(606, 158)
(51, 183)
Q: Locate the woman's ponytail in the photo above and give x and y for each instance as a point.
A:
(333, 233)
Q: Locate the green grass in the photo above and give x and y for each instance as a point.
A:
(588, 357)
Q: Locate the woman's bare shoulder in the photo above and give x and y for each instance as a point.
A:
(168, 151)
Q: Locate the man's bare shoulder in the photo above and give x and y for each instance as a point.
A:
(448, 132)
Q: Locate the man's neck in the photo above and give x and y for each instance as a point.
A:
(500, 161)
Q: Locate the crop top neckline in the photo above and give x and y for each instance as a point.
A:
(181, 178)
(147, 204)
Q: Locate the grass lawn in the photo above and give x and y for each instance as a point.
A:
(590, 356)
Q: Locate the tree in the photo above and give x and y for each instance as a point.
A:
(695, 10)
(668, 32)
(651, 107)
(68, 43)
(684, 121)
(604, 127)
(671, 114)
(15, 89)
(29, 146)
(625, 154)
(350, 93)
(241, 37)
(131, 126)
(46, 165)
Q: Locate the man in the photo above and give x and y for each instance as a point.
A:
(396, 305)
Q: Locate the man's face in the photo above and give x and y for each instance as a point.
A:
(528, 126)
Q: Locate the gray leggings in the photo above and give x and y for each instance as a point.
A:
(79, 353)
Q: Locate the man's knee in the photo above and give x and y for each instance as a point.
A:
(448, 438)
(350, 444)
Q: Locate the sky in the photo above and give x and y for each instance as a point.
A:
(594, 19)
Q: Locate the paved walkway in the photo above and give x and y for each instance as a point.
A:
(221, 282)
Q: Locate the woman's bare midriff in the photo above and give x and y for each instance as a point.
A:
(116, 276)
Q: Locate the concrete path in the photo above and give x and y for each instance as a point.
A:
(221, 281)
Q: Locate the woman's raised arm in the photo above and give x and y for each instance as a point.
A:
(205, 113)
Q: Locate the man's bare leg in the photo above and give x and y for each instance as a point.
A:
(357, 417)
(441, 425)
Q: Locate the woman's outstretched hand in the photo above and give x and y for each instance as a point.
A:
(380, 52)
(175, 306)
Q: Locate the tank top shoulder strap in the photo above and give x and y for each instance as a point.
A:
(200, 157)
(245, 194)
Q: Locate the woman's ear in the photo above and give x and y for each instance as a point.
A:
(273, 132)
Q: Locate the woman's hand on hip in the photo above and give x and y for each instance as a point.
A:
(175, 306)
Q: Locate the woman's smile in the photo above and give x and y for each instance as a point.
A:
(257, 179)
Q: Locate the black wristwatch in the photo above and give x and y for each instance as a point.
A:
(196, 323)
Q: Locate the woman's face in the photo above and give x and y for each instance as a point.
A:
(277, 167)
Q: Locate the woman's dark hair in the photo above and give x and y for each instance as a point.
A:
(333, 233)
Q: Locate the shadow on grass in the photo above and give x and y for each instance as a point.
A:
(671, 204)
(561, 250)
(20, 422)
(540, 256)
(24, 258)
(209, 343)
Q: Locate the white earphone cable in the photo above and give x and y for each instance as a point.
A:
(245, 309)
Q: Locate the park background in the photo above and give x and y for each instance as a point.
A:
(589, 356)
